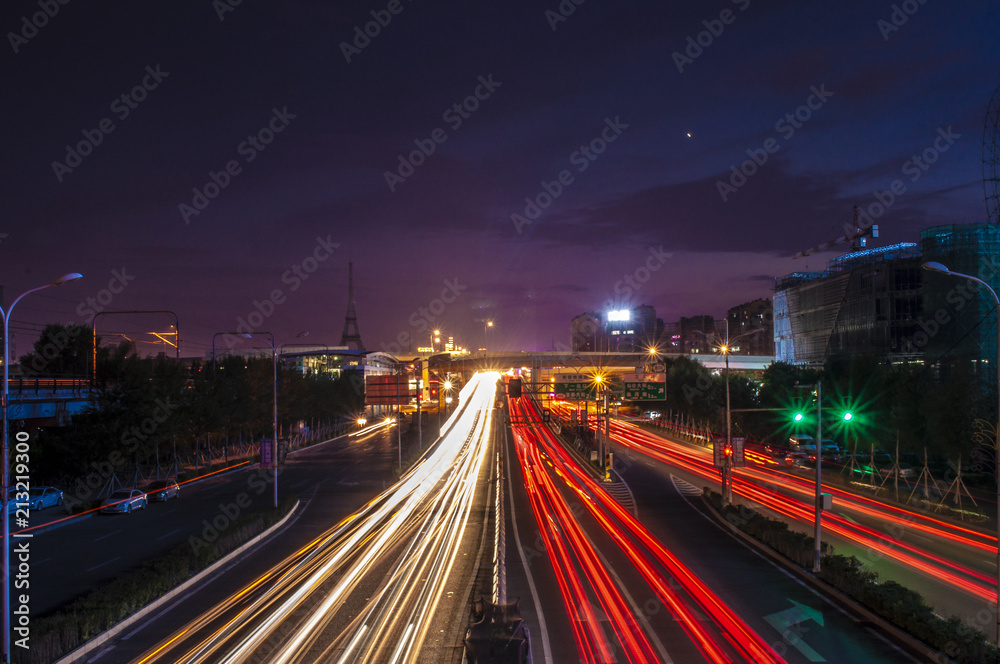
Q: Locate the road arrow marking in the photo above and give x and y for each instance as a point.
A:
(786, 621)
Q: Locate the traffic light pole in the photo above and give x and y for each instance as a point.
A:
(727, 458)
(819, 476)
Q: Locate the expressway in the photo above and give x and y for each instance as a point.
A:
(370, 588)
(950, 564)
(589, 558)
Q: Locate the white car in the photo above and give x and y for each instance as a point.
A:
(124, 501)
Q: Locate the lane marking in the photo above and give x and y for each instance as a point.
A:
(546, 646)
(168, 534)
(106, 562)
(108, 535)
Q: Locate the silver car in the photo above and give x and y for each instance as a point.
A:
(160, 491)
(124, 501)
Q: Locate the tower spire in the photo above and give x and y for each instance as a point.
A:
(352, 336)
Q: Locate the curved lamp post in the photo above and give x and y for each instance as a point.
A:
(5, 488)
(938, 267)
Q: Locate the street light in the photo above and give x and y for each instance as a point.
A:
(5, 487)
(602, 440)
(727, 458)
(938, 267)
(487, 325)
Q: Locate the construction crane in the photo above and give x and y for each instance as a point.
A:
(856, 234)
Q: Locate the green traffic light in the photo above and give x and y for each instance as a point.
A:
(798, 417)
(848, 417)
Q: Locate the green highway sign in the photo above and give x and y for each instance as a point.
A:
(574, 387)
(645, 387)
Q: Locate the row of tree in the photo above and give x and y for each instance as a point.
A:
(947, 411)
(144, 406)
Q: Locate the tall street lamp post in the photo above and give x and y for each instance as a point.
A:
(938, 267)
(5, 488)
(727, 458)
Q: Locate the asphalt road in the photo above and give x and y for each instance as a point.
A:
(764, 595)
(798, 624)
(331, 479)
(896, 533)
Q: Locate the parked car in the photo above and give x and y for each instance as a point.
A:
(124, 501)
(45, 496)
(160, 491)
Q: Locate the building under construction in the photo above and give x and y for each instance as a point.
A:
(878, 301)
(959, 322)
(866, 302)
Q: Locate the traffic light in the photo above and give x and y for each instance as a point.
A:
(798, 417)
(514, 388)
(727, 451)
(434, 392)
(848, 416)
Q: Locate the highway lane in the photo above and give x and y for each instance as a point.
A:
(733, 574)
(602, 560)
(756, 589)
(951, 565)
(84, 552)
(367, 589)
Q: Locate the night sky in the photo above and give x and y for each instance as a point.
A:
(411, 151)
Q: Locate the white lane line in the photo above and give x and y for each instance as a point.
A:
(106, 562)
(168, 534)
(102, 654)
(546, 647)
(108, 535)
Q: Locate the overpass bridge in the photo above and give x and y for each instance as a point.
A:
(44, 402)
(589, 362)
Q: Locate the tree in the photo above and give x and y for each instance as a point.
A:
(61, 350)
